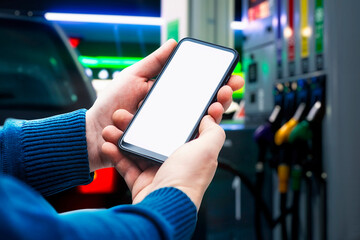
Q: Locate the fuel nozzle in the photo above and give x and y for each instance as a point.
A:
(302, 131)
(264, 135)
(282, 135)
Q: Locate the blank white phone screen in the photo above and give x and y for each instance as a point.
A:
(174, 106)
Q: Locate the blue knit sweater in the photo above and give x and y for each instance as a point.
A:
(45, 156)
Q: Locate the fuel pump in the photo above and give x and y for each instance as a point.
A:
(307, 139)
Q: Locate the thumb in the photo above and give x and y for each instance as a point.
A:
(152, 64)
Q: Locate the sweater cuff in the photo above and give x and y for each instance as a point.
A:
(176, 208)
(55, 154)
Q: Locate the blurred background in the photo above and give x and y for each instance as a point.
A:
(289, 166)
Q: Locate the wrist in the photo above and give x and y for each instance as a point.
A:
(94, 141)
(56, 144)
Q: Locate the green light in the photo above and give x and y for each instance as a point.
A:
(239, 94)
(265, 68)
(108, 62)
(319, 26)
(237, 69)
(173, 30)
(89, 62)
(124, 62)
(246, 63)
(53, 61)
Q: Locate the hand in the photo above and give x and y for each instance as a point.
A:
(127, 91)
(190, 168)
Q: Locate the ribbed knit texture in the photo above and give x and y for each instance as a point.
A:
(55, 152)
(48, 154)
(178, 210)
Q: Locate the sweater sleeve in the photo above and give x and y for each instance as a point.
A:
(48, 154)
(164, 214)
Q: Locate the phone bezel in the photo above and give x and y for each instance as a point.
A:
(136, 152)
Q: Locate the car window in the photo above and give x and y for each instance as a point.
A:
(35, 66)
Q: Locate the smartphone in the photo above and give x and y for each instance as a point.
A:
(181, 95)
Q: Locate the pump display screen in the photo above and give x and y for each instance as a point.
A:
(258, 9)
(180, 97)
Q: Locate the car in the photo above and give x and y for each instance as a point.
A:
(40, 74)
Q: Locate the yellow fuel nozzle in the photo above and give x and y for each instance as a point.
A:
(282, 135)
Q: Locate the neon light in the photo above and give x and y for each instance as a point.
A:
(116, 19)
(291, 41)
(108, 62)
(239, 94)
(259, 11)
(98, 18)
(237, 69)
(265, 68)
(104, 182)
(74, 42)
(124, 62)
(88, 62)
(319, 26)
(306, 32)
(88, 72)
(288, 32)
(279, 43)
(231, 125)
(103, 74)
(115, 74)
(237, 25)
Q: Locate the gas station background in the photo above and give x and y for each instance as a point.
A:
(289, 165)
